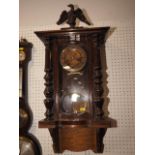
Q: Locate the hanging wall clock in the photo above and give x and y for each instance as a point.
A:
(28, 144)
(73, 85)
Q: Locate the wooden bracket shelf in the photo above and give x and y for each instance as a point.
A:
(103, 123)
(78, 135)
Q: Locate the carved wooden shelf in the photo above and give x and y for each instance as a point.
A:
(105, 123)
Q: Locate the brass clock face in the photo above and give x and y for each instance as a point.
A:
(73, 59)
(22, 54)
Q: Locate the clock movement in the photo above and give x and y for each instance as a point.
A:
(28, 144)
(73, 87)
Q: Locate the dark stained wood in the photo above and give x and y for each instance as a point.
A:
(54, 41)
(26, 140)
(78, 139)
(25, 113)
(48, 92)
(103, 123)
(100, 133)
(71, 131)
(97, 85)
(71, 16)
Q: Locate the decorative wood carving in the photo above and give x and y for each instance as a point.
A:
(71, 16)
(48, 92)
(98, 88)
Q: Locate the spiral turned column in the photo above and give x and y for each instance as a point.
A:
(48, 92)
(98, 88)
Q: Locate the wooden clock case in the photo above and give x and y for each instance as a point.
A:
(75, 132)
(28, 143)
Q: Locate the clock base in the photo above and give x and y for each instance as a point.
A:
(78, 135)
(78, 139)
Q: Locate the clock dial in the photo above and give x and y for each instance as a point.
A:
(73, 59)
(22, 54)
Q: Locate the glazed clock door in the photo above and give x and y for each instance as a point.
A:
(74, 98)
(72, 60)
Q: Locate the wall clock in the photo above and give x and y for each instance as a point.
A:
(73, 87)
(28, 144)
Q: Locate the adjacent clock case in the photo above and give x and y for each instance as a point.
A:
(73, 88)
(25, 114)
(28, 144)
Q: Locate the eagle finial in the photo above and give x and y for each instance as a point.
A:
(71, 16)
(71, 6)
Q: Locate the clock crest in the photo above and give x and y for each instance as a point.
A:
(71, 16)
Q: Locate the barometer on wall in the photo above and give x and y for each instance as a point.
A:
(73, 86)
(28, 144)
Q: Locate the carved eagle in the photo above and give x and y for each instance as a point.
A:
(70, 16)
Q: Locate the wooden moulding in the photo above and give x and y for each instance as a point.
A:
(104, 123)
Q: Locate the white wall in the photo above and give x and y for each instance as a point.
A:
(46, 12)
